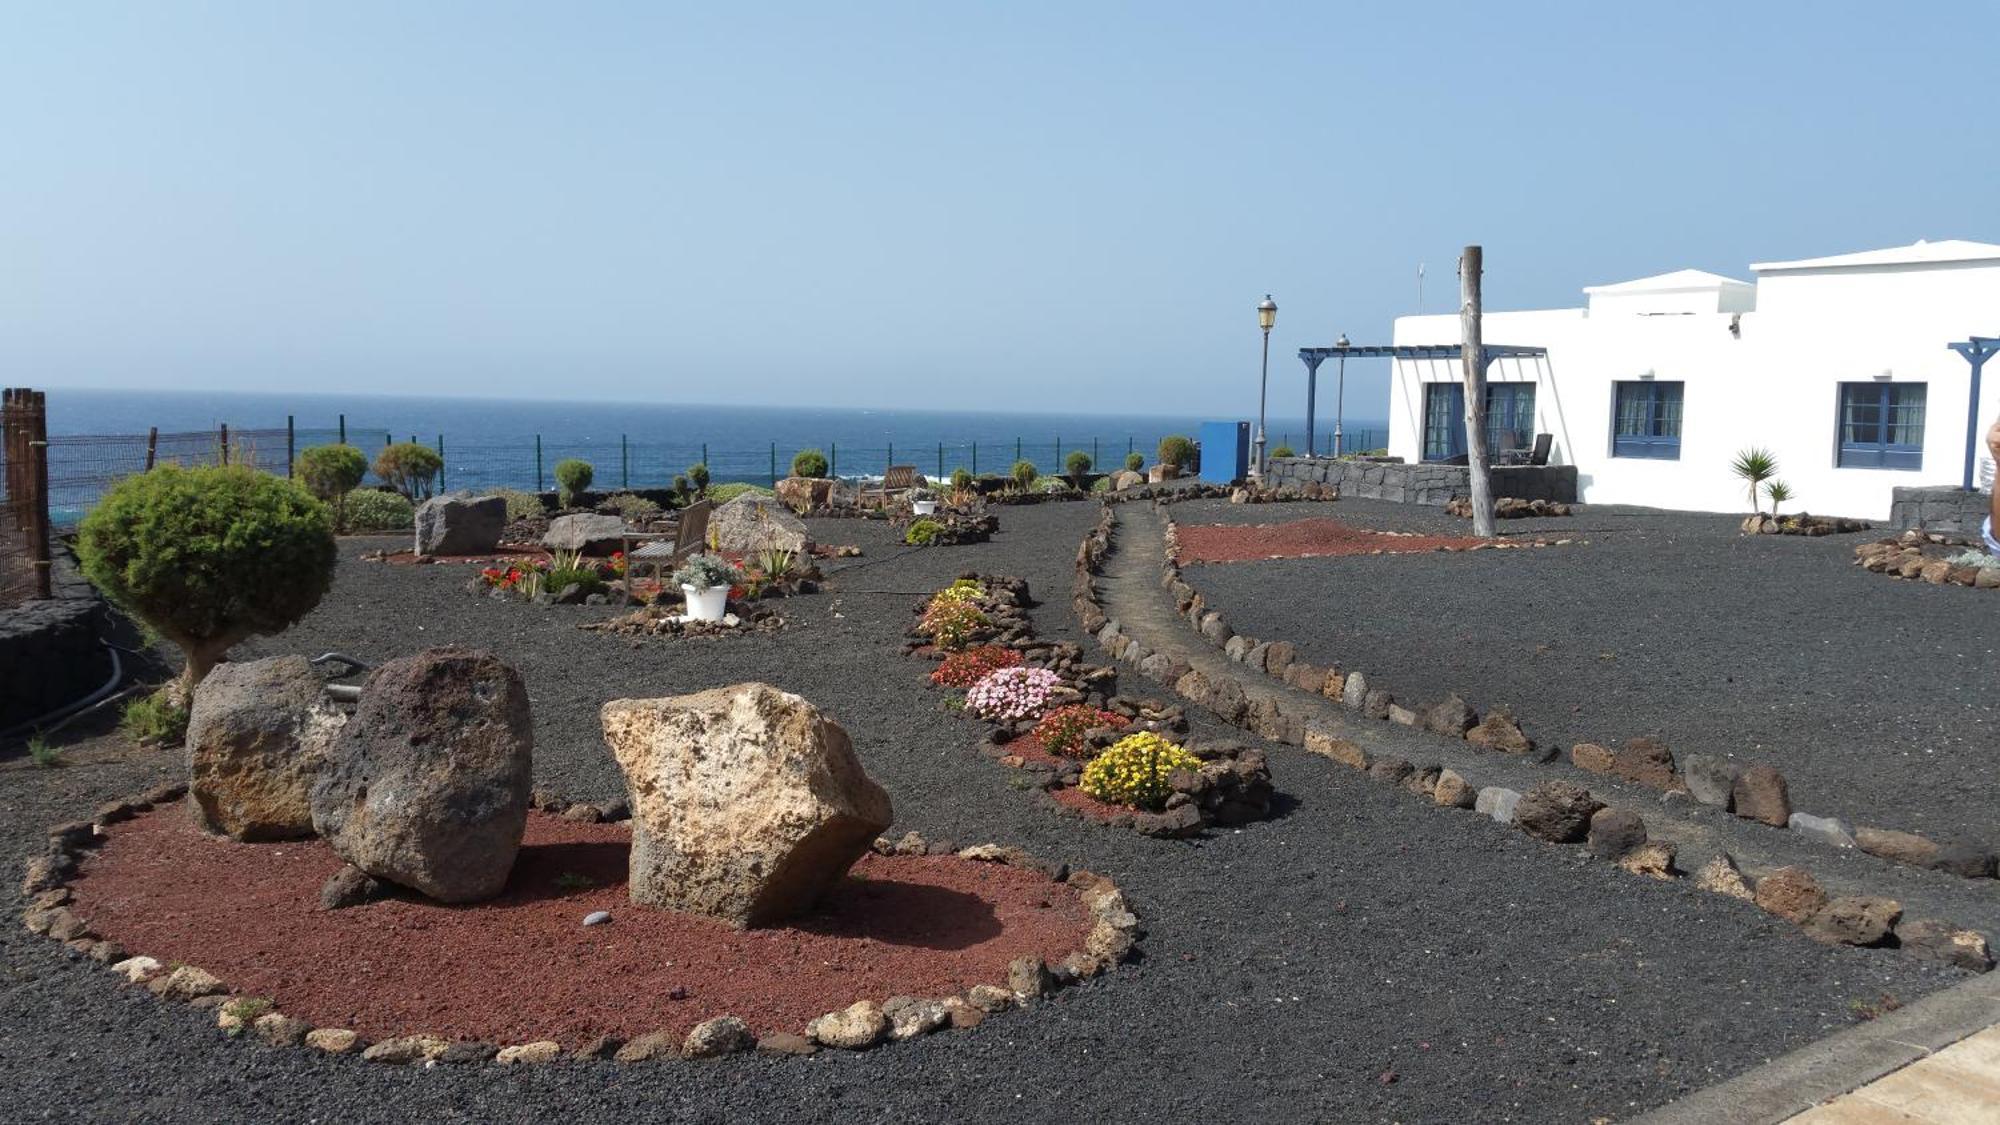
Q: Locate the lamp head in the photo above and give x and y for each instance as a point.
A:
(1342, 342)
(1267, 313)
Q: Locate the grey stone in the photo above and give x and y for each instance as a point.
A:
(460, 525)
(1831, 829)
(1614, 832)
(1451, 718)
(597, 918)
(257, 735)
(588, 532)
(752, 523)
(1498, 803)
(350, 886)
(1710, 779)
(1354, 693)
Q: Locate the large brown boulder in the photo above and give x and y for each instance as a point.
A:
(257, 735)
(804, 494)
(752, 523)
(747, 803)
(428, 784)
(1557, 811)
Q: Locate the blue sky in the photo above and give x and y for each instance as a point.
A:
(1019, 206)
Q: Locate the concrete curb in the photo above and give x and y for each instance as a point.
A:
(1841, 1062)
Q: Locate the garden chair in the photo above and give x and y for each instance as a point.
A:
(661, 552)
(899, 479)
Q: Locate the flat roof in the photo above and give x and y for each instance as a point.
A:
(1919, 252)
(1678, 281)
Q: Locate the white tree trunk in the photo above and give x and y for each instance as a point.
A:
(1474, 359)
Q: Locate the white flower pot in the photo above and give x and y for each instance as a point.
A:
(707, 603)
(923, 507)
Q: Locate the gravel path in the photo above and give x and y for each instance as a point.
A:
(1879, 700)
(1362, 958)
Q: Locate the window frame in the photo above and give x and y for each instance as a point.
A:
(1881, 453)
(1648, 445)
(1512, 390)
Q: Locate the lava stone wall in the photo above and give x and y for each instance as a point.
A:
(1939, 509)
(49, 652)
(1425, 483)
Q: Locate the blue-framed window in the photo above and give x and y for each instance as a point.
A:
(1510, 419)
(1882, 425)
(1646, 420)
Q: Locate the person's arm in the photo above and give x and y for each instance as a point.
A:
(1993, 516)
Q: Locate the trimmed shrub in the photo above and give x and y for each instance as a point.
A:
(409, 468)
(1024, 473)
(520, 505)
(723, 493)
(1135, 462)
(1177, 450)
(697, 476)
(632, 507)
(330, 472)
(209, 557)
(1283, 451)
(809, 463)
(371, 509)
(1077, 464)
(961, 480)
(573, 477)
(1134, 771)
(923, 533)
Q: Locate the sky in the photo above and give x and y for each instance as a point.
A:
(1021, 206)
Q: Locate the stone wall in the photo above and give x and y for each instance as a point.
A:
(1940, 509)
(49, 653)
(1424, 483)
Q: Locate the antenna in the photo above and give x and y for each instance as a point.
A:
(1420, 287)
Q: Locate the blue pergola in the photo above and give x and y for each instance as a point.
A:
(1313, 357)
(1976, 351)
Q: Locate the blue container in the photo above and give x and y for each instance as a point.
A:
(1225, 451)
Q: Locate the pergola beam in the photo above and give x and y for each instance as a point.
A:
(1313, 357)
(1976, 350)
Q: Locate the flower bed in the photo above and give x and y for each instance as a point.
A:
(1802, 524)
(1937, 559)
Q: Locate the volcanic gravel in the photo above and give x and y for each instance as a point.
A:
(1360, 958)
(1879, 700)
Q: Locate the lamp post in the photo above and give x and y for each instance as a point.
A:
(1267, 315)
(1339, 394)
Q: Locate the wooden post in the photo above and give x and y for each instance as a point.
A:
(291, 444)
(1470, 265)
(152, 446)
(17, 463)
(225, 444)
(38, 486)
(441, 465)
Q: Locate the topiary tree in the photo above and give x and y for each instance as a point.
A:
(697, 476)
(809, 463)
(409, 468)
(209, 557)
(573, 476)
(1283, 451)
(961, 479)
(1135, 462)
(1077, 464)
(1177, 450)
(1024, 473)
(330, 472)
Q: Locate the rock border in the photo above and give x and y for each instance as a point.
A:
(1908, 557)
(1751, 791)
(1113, 935)
(1228, 768)
(1560, 812)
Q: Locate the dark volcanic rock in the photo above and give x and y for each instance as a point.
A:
(1557, 811)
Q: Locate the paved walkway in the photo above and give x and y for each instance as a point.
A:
(1959, 1084)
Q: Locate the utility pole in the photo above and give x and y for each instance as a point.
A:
(1473, 354)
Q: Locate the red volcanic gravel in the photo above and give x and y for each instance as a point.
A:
(1073, 798)
(1299, 539)
(523, 967)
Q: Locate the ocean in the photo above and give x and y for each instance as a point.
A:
(98, 435)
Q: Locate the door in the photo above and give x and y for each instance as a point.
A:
(1510, 419)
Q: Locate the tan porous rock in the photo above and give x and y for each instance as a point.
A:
(1760, 794)
(752, 523)
(257, 734)
(1592, 757)
(1453, 791)
(1721, 876)
(1344, 751)
(333, 1040)
(529, 1054)
(1791, 893)
(747, 802)
(1499, 731)
(856, 1027)
(1654, 859)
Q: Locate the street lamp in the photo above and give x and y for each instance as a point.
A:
(1267, 315)
(1340, 393)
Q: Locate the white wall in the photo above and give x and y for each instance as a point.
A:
(1775, 386)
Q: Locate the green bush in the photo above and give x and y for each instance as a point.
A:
(1102, 484)
(1077, 463)
(209, 557)
(697, 476)
(1177, 450)
(683, 489)
(330, 472)
(573, 477)
(1283, 451)
(809, 463)
(155, 719)
(1135, 462)
(371, 509)
(632, 507)
(724, 493)
(961, 480)
(521, 505)
(409, 468)
(923, 533)
(1024, 473)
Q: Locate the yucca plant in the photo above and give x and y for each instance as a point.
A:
(1779, 492)
(1755, 465)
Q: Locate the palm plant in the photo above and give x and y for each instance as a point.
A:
(1755, 465)
(1779, 492)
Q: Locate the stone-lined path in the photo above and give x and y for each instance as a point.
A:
(1133, 596)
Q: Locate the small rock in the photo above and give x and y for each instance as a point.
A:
(602, 1047)
(1965, 859)
(1711, 780)
(990, 998)
(1654, 859)
(854, 1028)
(1498, 803)
(1646, 761)
(1791, 893)
(1499, 731)
(786, 1043)
(1898, 847)
(136, 969)
(1451, 718)
(1833, 830)
(1721, 876)
(961, 1014)
(910, 1017)
(1614, 832)
(406, 1049)
(1453, 791)
(527, 1054)
(1592, 757)
(280, 1030)
(1557, 811)
(650, 1046)
(1855, 920)
(333, 1040)
(468, 1054)
(186, 983)
(1341, 750)
(1390, 770)
(1760, 794)
(351, 886)
(1942, 942)
(723, 1035)
(1402, 715)
(597, 918)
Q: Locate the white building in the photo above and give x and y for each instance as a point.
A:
(1839, 366)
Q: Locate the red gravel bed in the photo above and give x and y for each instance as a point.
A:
(1300, 539)
(523, 967)
(505, 553)
(1076, 800)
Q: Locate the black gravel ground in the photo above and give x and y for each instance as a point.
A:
(1879, 700)
(1362, 958)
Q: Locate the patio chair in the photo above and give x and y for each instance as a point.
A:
(1540, 454)
(898, 479)
(657, 550)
